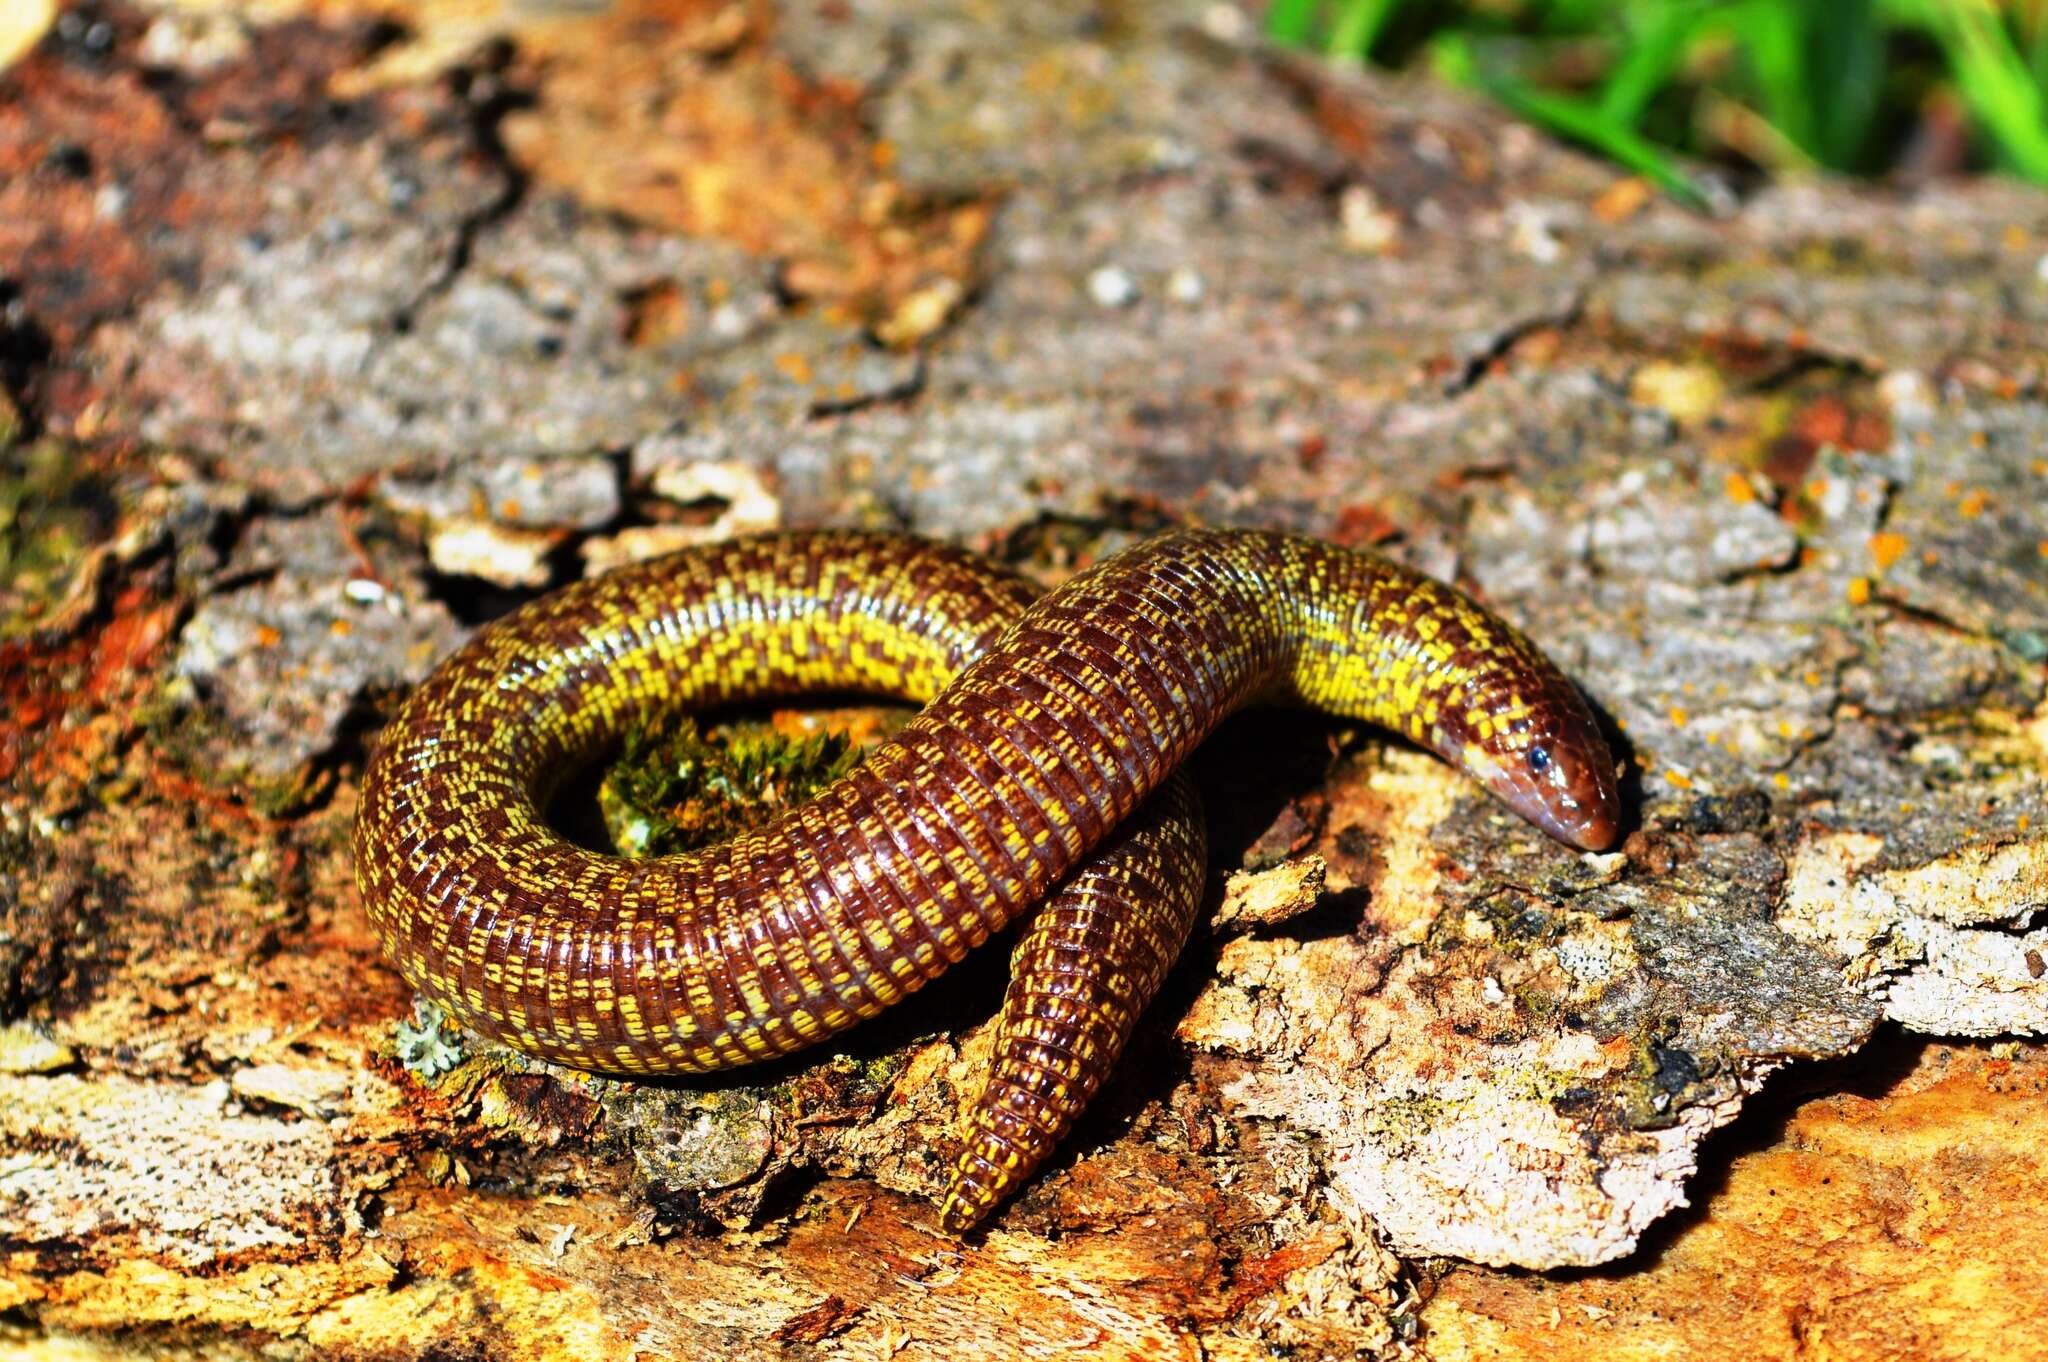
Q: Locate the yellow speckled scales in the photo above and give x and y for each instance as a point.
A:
(1046, 726)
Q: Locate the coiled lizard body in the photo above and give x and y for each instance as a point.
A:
(1040, 778)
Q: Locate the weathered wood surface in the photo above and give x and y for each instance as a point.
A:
(335, 328)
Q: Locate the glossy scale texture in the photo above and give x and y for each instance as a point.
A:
(1023, 785)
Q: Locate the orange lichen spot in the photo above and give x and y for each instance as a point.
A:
(1363, 523)
(1622, 200)
(1785, 729)
(1816, 489)
(2040, 467)
(1678, 717)
(882, 155)
(267, 637)
(1971, 506)
(1859, 591)
(654, 316)
(1811, 678)
(1906, 807)
(1823, 421)
(1679, 778)
(1930, 557)
(508, 509)
(1782, 781)
(794, 367)
(341, 628)
(2042, 548)
(2024, 822)
(2014, 236)
(1887, 548)
(1740, 489)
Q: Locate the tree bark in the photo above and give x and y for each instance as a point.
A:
(322, 347)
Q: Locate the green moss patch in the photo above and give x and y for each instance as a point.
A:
(685, 786)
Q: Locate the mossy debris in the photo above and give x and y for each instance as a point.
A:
(681, 787)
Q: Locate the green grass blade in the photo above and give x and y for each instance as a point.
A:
(1568, 16)
(1357, 27)
(1292, 22)
(2030, 23)
(1847, 40)
(1569, 117)
(1773, 43)
(1653, 55)
(1994, 82)
(1814, 83)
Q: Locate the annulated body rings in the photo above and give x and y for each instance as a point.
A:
(1039, 778)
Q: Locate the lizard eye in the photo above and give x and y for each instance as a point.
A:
(1539, 759)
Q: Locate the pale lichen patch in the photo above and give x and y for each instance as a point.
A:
(1419, 792)
(1264, 898)
(173, 1173)
(1450, 1144)
(1953, 946)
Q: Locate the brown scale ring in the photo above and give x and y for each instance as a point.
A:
(1022, 786)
